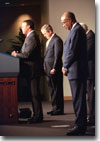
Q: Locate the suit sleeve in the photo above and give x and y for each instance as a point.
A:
(28, 46)
(58, 50)
(91, 48)
(71, 50)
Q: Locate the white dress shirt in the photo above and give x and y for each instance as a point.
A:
(47, 43)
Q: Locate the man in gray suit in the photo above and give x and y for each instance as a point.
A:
(75, 67)
(30, 57)
(52, 68)
(91, 74)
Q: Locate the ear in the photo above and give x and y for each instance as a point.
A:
(50, 31)
(28, 26)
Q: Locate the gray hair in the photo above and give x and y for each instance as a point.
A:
(47, 27)
(85, 27)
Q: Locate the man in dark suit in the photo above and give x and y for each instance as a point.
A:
(52, 68)
(30, 67)
(91, 74)
(75, 67)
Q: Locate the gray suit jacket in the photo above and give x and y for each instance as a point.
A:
(53, 55)
(30, 56)
(91, 54)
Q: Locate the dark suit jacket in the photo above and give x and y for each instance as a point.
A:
(91, 54)
(53, 55)
(75, 54)
(30, 56)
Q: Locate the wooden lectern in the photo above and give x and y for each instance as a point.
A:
(9, 69)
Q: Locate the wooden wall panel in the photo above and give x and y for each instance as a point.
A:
(8, 101)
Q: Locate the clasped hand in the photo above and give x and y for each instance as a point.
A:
(64, 71)
(14, 53)
(53, 71)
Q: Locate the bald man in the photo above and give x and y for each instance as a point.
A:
(75, 67)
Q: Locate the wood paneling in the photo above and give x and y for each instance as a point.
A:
(8, 101)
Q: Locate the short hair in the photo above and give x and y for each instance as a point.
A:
(69, 15)
(85, 27)
(47, 27)
(30, 22)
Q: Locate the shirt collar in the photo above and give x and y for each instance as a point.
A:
(87, 31)
(74, 25)
(29, 33)
(51, 36)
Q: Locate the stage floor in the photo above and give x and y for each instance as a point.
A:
(52, 126)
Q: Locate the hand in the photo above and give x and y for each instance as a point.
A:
(53, 71)
(14, 53)
(64, 71)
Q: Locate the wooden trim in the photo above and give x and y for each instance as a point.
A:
(70, 97)
(67, 97)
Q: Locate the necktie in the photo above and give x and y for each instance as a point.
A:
(25, 37)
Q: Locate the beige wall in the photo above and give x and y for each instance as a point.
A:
(84, 11)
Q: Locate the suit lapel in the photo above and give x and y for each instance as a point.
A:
(46, 51)
(26, 40)
(49, 45)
